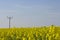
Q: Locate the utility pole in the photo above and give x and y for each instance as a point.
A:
(9, 21)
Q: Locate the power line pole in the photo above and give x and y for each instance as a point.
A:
(9, 21)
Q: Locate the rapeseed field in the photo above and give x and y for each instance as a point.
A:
(35, 33)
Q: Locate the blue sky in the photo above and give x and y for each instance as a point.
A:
(28, 13)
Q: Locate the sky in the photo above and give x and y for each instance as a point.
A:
(28, 13)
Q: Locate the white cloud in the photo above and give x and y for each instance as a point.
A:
(7, 11)
(22, 6)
